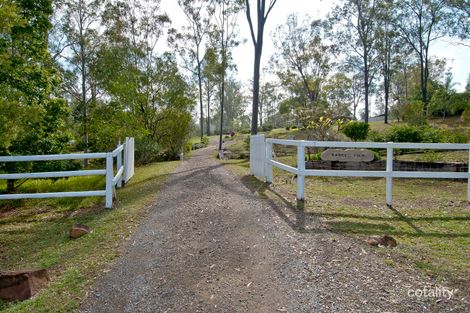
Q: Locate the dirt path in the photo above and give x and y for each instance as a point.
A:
(211, 245)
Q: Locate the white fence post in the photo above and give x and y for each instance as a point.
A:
(118, 167)
(268, 169)
(128, 159)
(257, 155)
(300, 170)
(388, 178)
(109, 180)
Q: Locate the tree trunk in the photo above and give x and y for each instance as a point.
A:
(366, 89)
(208, 124)
(386, 91)
(199, 76)
(222, 92)
(256, 77)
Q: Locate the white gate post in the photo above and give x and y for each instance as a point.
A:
(268, 168)
(388, 178)
(109, 180)
(118, 167)
(300, 170)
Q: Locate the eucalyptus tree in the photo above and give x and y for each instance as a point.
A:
(268, 103)
(262, 12)
(303, 59)
(460, 19)
(80, 23)
(225, 32)
(339, 94)
(354, 29)
(190, 43)
(420, 23)
(211, 69)
(389, 49)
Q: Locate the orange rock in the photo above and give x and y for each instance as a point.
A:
(22, 285)
(79, 230)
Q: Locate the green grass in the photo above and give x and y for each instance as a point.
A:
(34, 234)
(430, 218)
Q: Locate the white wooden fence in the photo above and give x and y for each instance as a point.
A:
(124, 172)
(262, 163)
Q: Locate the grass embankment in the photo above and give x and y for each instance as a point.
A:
(430, 218)
(35, 234)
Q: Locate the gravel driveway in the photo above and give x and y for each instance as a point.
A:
(211, 245)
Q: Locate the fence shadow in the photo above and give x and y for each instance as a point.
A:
(294, 214)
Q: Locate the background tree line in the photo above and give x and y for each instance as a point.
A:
(82, 74)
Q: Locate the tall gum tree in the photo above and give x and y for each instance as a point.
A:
(262, 12)
(225, 17)
(354, 23)
(302, 60)
(420, 23)
(190, 43)
(79, 24)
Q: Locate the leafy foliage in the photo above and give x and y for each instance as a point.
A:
(356, 130)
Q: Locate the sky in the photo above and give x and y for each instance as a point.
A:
(458, 56)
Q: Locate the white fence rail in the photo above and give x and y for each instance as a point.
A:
(124, 172)
(388, 174)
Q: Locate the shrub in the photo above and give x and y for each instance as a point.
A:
(205, 140)
(430, 134)
(294, 127)
(376, 136)
(196, 146)
(247, 142)
(404, 133)
(356, 130)
(267, 128)
(245, 130)
(147, 151)
(287, 127)
(413, 113)
(458, 135)
(465, 117)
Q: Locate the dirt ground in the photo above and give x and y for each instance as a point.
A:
(212, 245)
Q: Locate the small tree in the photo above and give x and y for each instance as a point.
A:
(356, 130)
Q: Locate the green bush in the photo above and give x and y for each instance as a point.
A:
(245, 131)
(247, 142)
(409, 133)
(148, 151)
(413, 113)
(205, 140)
(294, 127)
(457, 135)
(376, 136)
(465, 117)
(404, 133)
(267, 128)
(287, 127)
(356, 130)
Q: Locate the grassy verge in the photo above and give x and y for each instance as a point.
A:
(34, 234)
(430, 218)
